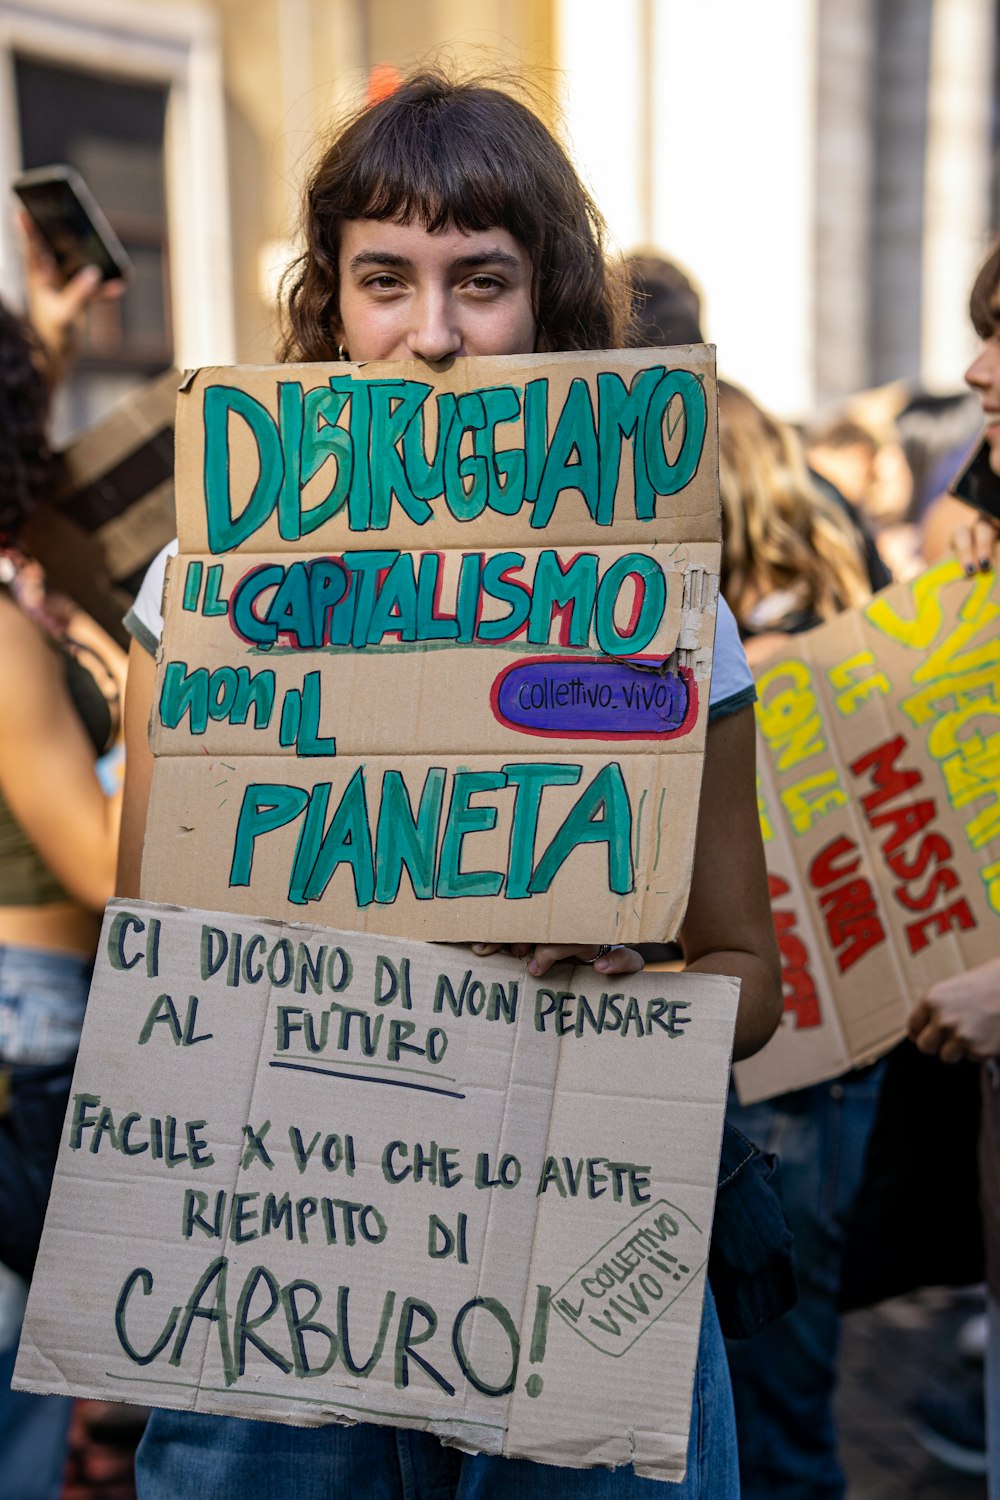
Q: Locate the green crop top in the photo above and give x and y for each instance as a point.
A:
(25, 878)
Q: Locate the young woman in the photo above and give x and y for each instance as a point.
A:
(57, 857)
(790, 557)
(443, 222)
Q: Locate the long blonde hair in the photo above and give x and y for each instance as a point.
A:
(779, 533)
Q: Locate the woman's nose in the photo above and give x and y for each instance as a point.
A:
(980, 373)
(435, 334)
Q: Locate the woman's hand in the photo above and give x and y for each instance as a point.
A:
(976, 544)
(605, 960)
(55, 308)
(960, 1016)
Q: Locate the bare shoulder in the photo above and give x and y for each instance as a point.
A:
(27, 660)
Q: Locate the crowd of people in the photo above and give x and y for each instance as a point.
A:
(445, 220)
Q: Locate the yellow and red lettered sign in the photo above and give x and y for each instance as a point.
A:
(879, 788)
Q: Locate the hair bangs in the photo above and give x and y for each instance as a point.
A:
(983, 300)
(466, 156)
(436, 163)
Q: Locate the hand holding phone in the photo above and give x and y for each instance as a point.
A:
(62, 280)
(69, 222)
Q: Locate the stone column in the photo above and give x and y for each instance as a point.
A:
(845, 171)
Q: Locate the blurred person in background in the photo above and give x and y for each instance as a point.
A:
(846, 454)
(862, 459)
(667, 309)
(792, 558)
(960, 1017)
(892, 452)
(976, 540)
(666, 304)
(936, 433)
(58, 833)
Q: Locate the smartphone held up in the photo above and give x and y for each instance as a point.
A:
(69, 221)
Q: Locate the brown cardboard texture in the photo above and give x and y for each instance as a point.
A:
(879, 762)
(437, 648)
(315, 1176)
(113, 508)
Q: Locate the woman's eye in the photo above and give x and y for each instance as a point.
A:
(484, 283)
(384, 281)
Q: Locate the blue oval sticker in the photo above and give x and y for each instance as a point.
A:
(570, 698)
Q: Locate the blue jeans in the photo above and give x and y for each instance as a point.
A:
(33, 1429)
(784, 1378)
(225, 1458)
(42, 1000)
(43, 997)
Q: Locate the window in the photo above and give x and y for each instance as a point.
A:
(112, 131)
(133, 97)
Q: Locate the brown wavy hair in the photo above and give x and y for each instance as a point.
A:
(26, 463)
(469, 156)
(779, 533)
(982, 302)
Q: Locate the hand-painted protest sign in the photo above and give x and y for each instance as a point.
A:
(317, 1176)
(879, 761)
(438, 647)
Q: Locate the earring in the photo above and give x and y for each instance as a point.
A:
(341, 352)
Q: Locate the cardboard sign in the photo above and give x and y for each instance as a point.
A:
(438, 648)
(317, 1176)
(879, 763)
(114, 506)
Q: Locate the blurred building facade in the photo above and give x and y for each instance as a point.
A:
(823, 168)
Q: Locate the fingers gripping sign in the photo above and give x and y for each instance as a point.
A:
(606, 958)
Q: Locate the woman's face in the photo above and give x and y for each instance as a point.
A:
(984, 377)
(408, 294)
